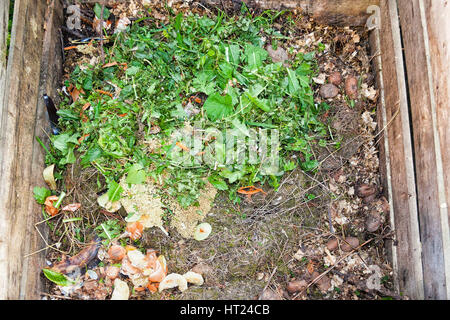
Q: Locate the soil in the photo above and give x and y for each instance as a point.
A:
(311, 236)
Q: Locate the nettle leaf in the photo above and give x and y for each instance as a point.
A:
(233, 54)
(40, 194)
(136, 175)
(218, 183)
(294, 86)
(91, 155)
(255, 56)
(217, 106)
(241, 127)
(226, 70)
(62, 141)
(58, 278)
(204, 82)
(232, 176)
(260, 103)
(114, 191)
(67, 114)
(133, 70)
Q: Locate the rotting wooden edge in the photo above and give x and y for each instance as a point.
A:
(431, 191)
(17, 128)
(404, 215)
(333, 12)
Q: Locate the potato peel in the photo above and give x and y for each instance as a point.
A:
(173, 280)
(194, 278)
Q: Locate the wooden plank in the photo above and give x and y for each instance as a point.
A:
(50, 81)
(4, 16)
(17, 126)
(333, 12)
(374, 24)
(4, 19)
(398, 150)
(428, 161)
(438, 25)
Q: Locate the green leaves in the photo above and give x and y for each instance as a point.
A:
(40, 194)
(194, 69)
(66, 143)
(218, 182)
(217, 106)
(204, 82)
(98, 12)
(232, 54)
(91, 155)
(136, 175)
(108, 230)
(63, 142)
(114, 191)
(58, 278)
(294, 86)
(255, 56)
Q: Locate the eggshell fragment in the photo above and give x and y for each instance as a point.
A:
(121, 290)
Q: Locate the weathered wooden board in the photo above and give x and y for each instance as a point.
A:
(424, 92)
(337, 12)
(397, 150)
(18, 211)
(50, 81)
(4, 17)
(437, 15)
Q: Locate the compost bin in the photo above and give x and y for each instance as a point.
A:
(410, 53)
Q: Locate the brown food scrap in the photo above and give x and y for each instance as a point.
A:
(328, 91)
(335, 78)
(79, 260)
(324, 283)
(351, 87)
(349, 244)
(310, 267)
(332, 244)
(296, 286)
(373, 221)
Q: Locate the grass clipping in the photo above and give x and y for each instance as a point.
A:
(143, 203)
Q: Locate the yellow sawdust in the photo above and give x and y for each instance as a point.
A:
(185, 220)
(144, 201)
